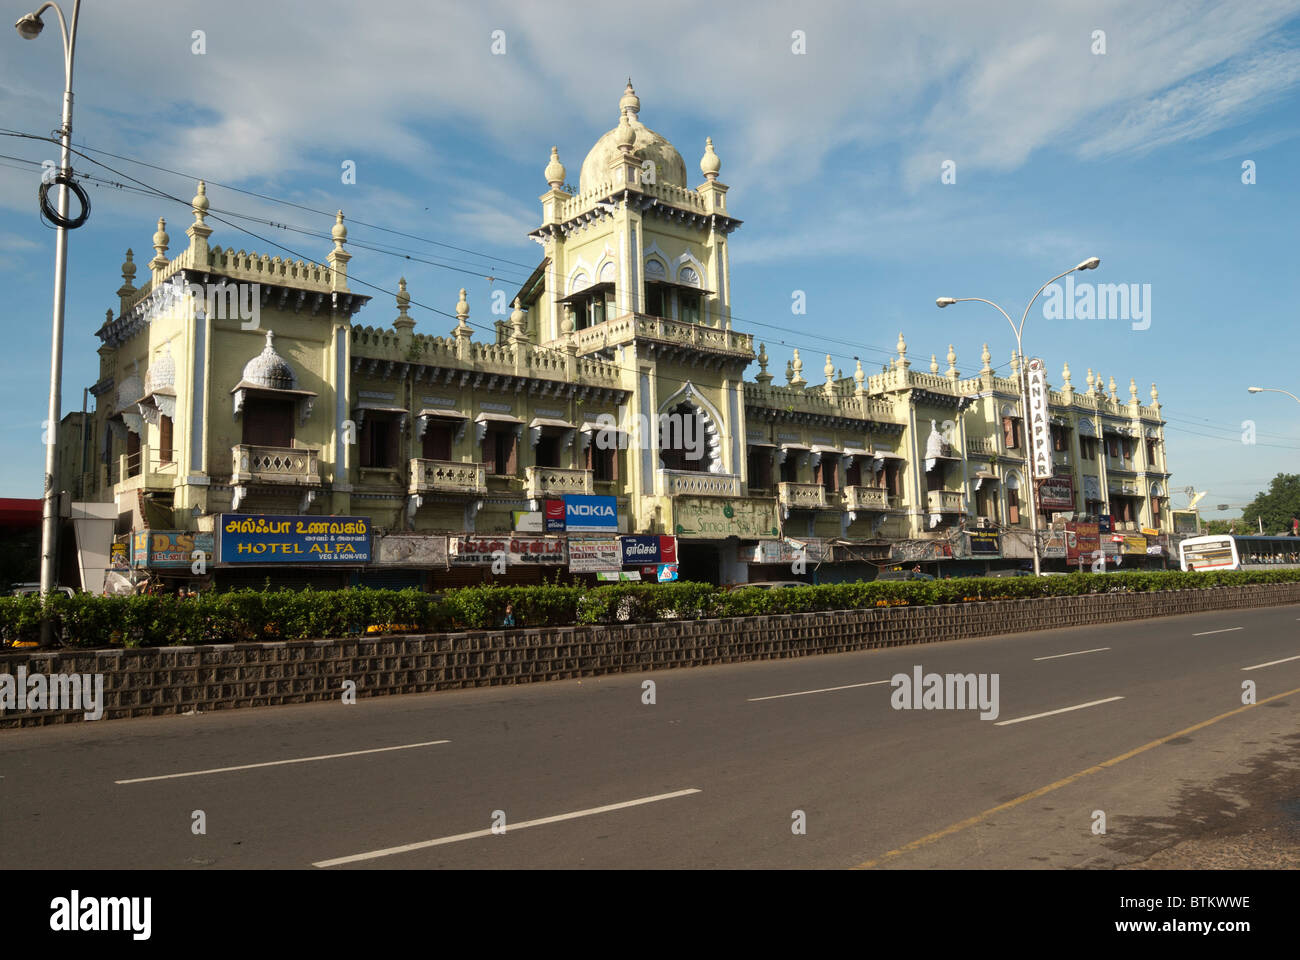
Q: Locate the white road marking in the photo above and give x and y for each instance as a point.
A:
(510, 828)
(804, 693)
(1271, 663)
(1076, 653)
(1052, 713)
(277, 763)
(1206, 633)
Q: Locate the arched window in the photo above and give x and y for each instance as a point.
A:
(683, 444)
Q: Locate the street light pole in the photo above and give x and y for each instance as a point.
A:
(29, 27)
(1273, 390)
(1090, 264)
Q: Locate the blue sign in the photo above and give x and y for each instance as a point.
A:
(266, 539)
(667, 572)
(591, 514)
(639, 551)
(1104, 524)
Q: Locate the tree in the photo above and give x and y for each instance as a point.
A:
(1276, 507)
(1222, 526)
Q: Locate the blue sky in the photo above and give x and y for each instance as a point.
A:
(834, 159)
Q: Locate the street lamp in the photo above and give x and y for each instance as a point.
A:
(29, 27)
(1090, 264)
(1273, 390)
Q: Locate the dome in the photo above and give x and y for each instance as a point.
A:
(648, 145)
(162, 373)
(269, 369)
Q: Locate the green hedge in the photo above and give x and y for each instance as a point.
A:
(247, 615)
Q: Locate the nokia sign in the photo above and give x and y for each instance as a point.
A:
(593, 514)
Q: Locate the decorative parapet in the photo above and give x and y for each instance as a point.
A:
(445, 476)
(844, 405)
(557, 481)
(858, 499)
(945, 501)
(256, 464)
(687, 483)
(803, 496)
(638, 326)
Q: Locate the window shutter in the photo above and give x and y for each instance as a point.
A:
(164, 439)
(1013, 506)
(1008, 433)
(489, 451)
(512, 456)
(394, 451)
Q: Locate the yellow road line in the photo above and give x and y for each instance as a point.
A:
(1041, 791)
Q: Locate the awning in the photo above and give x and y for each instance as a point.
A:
(680, 286)
(373, 407)
(857, 452)
(761, 443)
(550, 422)
(444, 413)
(590, 426)
(823, 448)
(795, 446)
(986, 475)
(587, 292)
(886, 455)
(251, 387)
(498, 417)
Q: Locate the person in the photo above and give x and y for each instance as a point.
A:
(509, 619)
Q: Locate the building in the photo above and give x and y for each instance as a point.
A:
(239, 384)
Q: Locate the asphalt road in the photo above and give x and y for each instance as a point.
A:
(713, 773)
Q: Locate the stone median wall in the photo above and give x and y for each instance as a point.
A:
(174, 680)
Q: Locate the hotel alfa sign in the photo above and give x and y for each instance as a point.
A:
(1040, 439)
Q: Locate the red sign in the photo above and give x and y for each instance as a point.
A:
(667, 549)
(1082, 540)
(553, 512)
(1056, 493)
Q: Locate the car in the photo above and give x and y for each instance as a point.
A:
(901, 574)
(1011, 573)
(27, 589)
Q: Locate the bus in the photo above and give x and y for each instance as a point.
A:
(1232, 552)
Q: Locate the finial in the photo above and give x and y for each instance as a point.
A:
(762, 357)
(1155, 395)
(128, 269)
(710, 164)
(462, 307)
(859, 377)
(339, 232)
(1132, 390)
(952, 363)
(403, 301)
(108, 316)
(160, 238)
(517, 320)
(555, 170)
(629, 102)
(934, 364)
(567, 324)
(902, 346)
(987, 359)
(798, 370)
(1065, 374)
(270, 341)
(789, 372)
(1113, 394)
(200, 203)
(829, 369)
(624, 136)
(1092, 387)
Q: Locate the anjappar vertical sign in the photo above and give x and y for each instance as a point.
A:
(1039, 435)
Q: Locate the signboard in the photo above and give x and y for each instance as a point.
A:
(553, 512)
(716, 518)
(411, 550)
(297, 539)
(1104, 524)
(592, 554)
(1053, 544)
(785, 551)
(617, 575)
(526, 521)
(1040, 439)
(913, 550)
(1082, 541)
(1135, 544)
(1056, 493)
(667, 572)
(985, 542)
(162, 549)
(140, 548)
(486, 551)
(1186, 522)
(1150, 532)
(588, 513)
(649, 549)
(118, 559)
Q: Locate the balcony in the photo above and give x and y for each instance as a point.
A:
(805, 496)
(945, 501)
(857, 499)
(277, 465)
(542, 482)
(690, 483)
(448, 476)
(142, 471)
